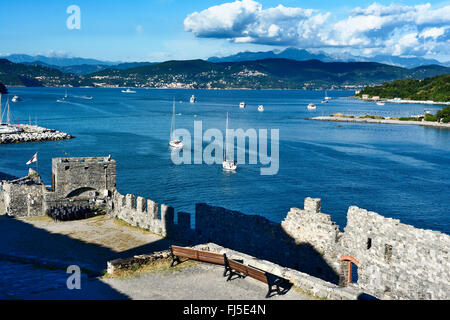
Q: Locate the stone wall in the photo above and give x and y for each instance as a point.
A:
(24, 197)
(397, 260)
(76, 177)
(391, 260)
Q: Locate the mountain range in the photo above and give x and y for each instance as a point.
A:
(303, 55)
(83, 66)
(258, 74)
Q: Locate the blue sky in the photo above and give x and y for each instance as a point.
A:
(157, 30)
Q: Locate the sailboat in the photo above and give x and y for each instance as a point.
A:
(174, 143)
(193, 99)
(228, 164)
(326, 95)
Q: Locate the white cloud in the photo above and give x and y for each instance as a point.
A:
(247, 21)
(393, 29)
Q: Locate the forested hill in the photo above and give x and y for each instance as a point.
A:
(260, 74)
(436, 89)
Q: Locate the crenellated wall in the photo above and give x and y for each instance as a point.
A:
(380, 256)
(390, 260)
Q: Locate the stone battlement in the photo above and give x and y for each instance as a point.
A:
(377, 255)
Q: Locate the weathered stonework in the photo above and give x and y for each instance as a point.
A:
(24, 197)
(78, 177)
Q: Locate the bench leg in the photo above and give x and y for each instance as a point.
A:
(268, 295)
(227, 269)
(174, 258)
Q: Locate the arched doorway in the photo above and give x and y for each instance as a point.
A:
(349, 267)
(80, 192)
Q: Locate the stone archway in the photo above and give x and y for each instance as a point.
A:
(80, 192)
(349, 268)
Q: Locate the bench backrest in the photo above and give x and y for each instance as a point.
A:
(198, 255)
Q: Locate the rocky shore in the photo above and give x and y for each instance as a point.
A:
(28, 133)
(384, 121)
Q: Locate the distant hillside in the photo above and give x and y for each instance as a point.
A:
(3, 89)
(55, 61)
(436, 89)
(260, 74)
(304, 55)
(83, 69)
(16, 74)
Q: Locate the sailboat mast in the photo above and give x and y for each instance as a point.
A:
(226, 140)
(172, 125)
(1, 115)
(8, 114)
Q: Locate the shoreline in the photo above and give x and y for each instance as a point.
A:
(382, 121)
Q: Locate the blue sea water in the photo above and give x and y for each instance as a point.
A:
(398, 171)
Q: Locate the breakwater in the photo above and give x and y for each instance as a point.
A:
(383, 121)
(28, 133)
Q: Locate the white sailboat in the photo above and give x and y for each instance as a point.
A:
(228, 164)
(174, 143)
(326, 95)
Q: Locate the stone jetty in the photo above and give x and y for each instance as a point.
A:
(28, 133)
(383, 121)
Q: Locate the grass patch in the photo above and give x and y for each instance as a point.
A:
(160, 266)
(122, 223)
(409, 119)
(44, 218)
(340, 115)
(372, 117)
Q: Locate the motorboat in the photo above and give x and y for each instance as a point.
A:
(16, 99)
(193, 99)
(128, 91)
(261, 108)
(242, 105)
(312, 106)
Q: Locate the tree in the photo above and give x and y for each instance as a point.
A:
(443, 115)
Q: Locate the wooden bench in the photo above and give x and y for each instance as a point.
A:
(274, 282)
(197, 255)
(232, 268)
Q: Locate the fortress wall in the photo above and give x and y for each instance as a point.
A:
(140, 213)
(260, 237)
(397, 260)
(71, 174)
(315, 228)
(24, 198)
